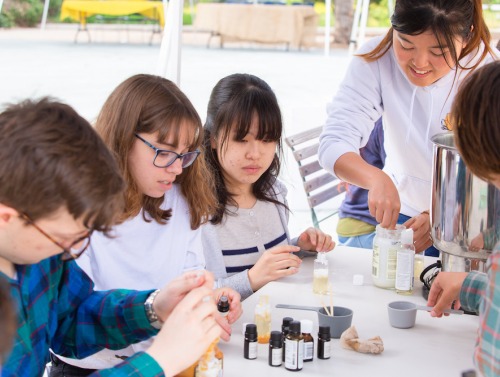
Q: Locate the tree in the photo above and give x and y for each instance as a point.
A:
(344, 15)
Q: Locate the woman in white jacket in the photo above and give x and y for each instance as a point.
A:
(409, 77)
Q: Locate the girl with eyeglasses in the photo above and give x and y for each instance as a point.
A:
(247, 243)
(408, 77)
(156, 134)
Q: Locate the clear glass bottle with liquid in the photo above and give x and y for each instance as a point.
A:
(320, 274)
(404, 264)
(418, 265)
(263, 319)
(385, 247)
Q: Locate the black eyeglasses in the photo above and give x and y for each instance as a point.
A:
(164, 158)
(69, 253)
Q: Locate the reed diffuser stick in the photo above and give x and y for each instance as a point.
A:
(325, 307)
(331, 298)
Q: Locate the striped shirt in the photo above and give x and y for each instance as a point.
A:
(58, 309)
(481, 293)
(248, 233)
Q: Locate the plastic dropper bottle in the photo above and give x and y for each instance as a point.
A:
(320, 275)
(404, 263)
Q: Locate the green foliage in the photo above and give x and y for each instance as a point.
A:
(21, 13)
(6, 20)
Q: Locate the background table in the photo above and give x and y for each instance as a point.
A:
(293, 25)
(80, 10)
(434, 347)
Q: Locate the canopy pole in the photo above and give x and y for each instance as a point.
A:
(45, 13)
(170, 50)
(328, 23)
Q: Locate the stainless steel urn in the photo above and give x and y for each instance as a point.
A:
(465, 210)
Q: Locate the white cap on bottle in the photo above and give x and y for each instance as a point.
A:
(306, 326)
(407, 237)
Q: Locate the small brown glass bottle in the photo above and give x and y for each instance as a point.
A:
(275, 349)
(250, 347)
(285, 327)
(223, 306)
(294, 358)
(307, 327)
(324, 350)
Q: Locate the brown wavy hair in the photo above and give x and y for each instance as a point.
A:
(234, 101)
(446, 19)
(149, 104)
(51, 158)
(476, 115)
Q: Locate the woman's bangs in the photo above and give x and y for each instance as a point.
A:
(414, 22)
(270, 123)
(176, 130)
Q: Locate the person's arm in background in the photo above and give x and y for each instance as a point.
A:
(351, 117)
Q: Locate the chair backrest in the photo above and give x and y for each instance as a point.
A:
(319, 185)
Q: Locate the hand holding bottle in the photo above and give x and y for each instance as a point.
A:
(421, 225)
(274, 264)
(187, 333)
(383, 200)
(313, 239)
(235, 310)
(170, 295)
(383, 196)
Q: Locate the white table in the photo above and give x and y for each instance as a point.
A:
(434, 347)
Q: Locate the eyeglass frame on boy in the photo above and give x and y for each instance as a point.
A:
(177, 155)
(66, 255)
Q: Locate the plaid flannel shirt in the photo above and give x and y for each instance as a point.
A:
(58, 308)
(481, 293)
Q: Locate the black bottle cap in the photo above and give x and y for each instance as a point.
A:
(287, 320)
(324, 331)
(251, 329)
(276, 339)
(223, 305)
(294, 327)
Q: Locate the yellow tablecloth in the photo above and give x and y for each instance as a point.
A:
(79, 10)
(295, 25)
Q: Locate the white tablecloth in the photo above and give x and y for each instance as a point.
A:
(434, 347)
(295, 25)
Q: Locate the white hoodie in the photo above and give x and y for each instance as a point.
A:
(411, 116)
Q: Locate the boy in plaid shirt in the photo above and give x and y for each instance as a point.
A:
(58, 183)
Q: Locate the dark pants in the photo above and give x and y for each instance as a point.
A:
(431, 251)
(61, 369)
